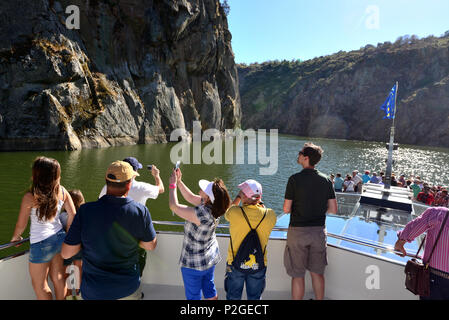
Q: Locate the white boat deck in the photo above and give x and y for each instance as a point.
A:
(352, 273)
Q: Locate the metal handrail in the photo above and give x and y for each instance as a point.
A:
(332, 235)
(13, 244)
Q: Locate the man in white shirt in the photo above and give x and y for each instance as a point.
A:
(358, 181)
(142, 191)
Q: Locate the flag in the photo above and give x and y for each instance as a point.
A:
(389, 105)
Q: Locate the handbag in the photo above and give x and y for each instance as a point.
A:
(417, 274)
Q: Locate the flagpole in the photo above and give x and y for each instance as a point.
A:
(391, 146)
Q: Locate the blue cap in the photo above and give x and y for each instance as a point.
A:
(134, 163)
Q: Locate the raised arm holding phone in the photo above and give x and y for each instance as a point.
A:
(200, 252)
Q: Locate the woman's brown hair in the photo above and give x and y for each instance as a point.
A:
(45, 186)
(222, 199)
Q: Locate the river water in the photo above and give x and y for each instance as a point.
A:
(85, 170)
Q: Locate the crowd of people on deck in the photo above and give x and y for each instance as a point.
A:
(436, 196)
(109, 238)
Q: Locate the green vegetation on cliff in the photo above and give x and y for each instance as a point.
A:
(339, 95)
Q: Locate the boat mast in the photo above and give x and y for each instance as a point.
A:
(391, 146)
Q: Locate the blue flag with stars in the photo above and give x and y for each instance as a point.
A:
(389, 105)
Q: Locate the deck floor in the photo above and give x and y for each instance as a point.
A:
(165, 292)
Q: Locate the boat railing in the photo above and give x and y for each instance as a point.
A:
(226, 226)
(284, 229)
(14, 244)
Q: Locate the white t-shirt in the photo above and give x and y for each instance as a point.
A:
(357, 179)
(349, 186)
(41, 230)
(139, 192)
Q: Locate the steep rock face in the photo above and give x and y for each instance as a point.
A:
(339, 96)
(134, 71)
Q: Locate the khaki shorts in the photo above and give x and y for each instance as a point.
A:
(137, 295)
(305, 250)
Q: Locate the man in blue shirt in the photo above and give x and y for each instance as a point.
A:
(110, 231)
(338, 183)
(375, 179)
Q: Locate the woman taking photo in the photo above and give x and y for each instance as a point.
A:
(43, 204)
(200, 252)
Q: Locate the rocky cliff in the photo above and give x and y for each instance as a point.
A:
(339, 96)
(133, 71)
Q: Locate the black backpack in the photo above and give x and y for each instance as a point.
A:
(250, 256)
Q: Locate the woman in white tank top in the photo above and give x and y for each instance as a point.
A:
(43, 205)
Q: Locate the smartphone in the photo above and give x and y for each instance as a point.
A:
(178, 163)
(150, 167)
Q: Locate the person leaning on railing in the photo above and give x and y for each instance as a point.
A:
(430, 221)
(200, 252)
(43, 205)
(252, 214)
(140, 192)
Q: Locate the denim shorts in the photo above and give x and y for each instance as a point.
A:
(196, 281)
(43, 251)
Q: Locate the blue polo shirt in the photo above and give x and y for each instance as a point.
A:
(366, 178)
(338, 183)
(109, 231)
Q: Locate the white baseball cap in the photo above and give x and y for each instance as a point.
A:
(251, 188)
(206, 186)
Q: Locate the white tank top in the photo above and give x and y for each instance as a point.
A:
(41, 229)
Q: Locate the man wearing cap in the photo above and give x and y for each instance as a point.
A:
(308, 196)
(110, 231)
(142, 191)
(250, 195)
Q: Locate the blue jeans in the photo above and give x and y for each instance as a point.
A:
(196, 281)
(234, 281)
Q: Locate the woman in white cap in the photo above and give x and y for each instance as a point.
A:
(200, 252)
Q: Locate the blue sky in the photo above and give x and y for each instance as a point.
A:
(265, 30)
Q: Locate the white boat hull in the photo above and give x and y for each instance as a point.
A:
(349, 275)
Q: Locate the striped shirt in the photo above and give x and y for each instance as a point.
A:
(431, 221)
(200, 249)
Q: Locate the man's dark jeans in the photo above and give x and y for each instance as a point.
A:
(142, 259)
(439, 288)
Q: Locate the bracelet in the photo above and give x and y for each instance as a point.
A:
(172, 186)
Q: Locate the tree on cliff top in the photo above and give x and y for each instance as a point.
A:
(225, 5)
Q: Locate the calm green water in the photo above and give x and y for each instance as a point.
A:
(85, 170)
